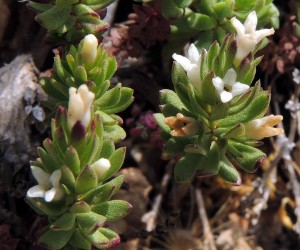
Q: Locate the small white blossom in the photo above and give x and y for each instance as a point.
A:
(296, 76)
(247, 35)
(48, 186)
(101, 167)
(88, 50)
(263, 127)
(228, 87)
(191, 64)
(80, 103)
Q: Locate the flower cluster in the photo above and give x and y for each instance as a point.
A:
(214, 118)
(75, 169)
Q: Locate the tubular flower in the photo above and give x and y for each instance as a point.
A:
(182, 125)
(247, 35)
(80, 103)
(263, 127)
(228, 87)
(191, 64)
(48, 186)
(89, 48)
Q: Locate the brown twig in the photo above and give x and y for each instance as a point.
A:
(208, 236)
(151, 217)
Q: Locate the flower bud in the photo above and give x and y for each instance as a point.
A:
(263, 127)
(182, 125)
(101, 167)
(80, 103)
(89, 49)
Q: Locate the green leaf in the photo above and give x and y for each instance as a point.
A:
(116, 133)
(47, 86)
(80, 75)
(176, 145)
(61, 3)
(45, 208)
(103, 192)
(64, 223)
(220, 111)
(72, 160)
(222, 10)
(86, 180)
(90, 222)
(49, 163)
(228, 173)
(54, 17)
(237, 131)
(55, 239)
(106, 119)
(108, 148)
(183, 3)
(213, 51)
(210, 163)
(186, 167)
(170, 9)
(78, 241)
(248, 157)
(68, 177)
(170, 97)
(110, 98)
(100, 241)
(116, 161)
(113, 210)
(208, 90)
(112, 236)
(39, 7)
(159, 118)
(196, 107)
(201, 22)
(80, 207)
(125, 100)
(255, 109)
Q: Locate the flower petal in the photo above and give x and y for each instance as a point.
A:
(193, 54)
(55, 177)
(260, 34)
(225, 96)
(218, 83)
(42, 177)
(239, 27)
(183, 61)
(36, 192)
(54, 194)
(230, 77)
(250, 23)
(239, 88)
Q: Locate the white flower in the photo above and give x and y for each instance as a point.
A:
(228, 87)
(88, 50)
(191, 64)
(101, 167)
(296, 76)
(247, 35)
(48, 186)
(80, 103)
(263, 127)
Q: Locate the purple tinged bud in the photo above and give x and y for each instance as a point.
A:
(78, 131)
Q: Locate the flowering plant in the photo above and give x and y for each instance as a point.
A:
(76, 169)
(214, 119)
